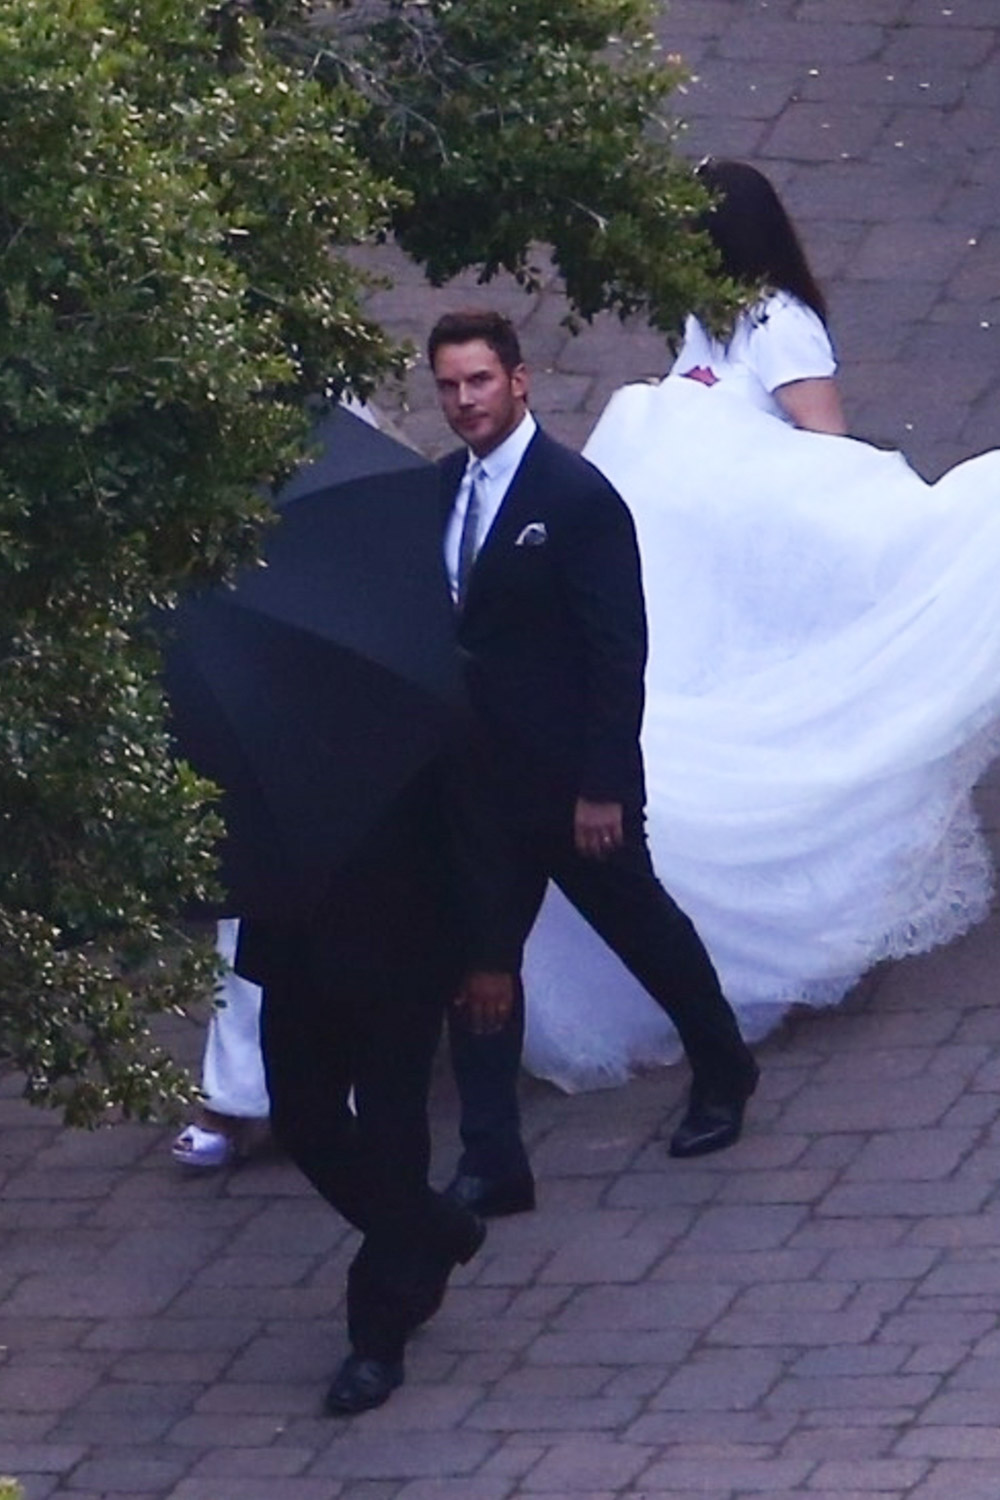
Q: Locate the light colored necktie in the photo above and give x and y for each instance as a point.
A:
(468, 542)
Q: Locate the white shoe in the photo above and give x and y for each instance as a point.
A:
(198, 1147)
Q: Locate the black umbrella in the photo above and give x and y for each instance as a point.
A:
(319, 685)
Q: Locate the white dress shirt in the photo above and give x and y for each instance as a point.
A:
(497, 469)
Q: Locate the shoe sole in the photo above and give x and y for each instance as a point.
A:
(334, 1408)
(710, 1144)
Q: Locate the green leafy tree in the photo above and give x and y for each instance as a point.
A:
(517, 123)
(177, 187)
(168, 299)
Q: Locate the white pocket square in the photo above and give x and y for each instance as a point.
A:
(533, 535)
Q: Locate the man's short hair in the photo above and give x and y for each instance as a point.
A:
(471, 323)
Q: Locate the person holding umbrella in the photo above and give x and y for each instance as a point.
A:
(321, 694)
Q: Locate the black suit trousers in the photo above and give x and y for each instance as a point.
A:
(326, 1028)
(354, 1000)
(627, 906)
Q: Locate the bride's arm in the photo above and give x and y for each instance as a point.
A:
(814, 404)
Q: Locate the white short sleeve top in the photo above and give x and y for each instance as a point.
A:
(773, 344)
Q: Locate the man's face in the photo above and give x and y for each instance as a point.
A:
(481, 401)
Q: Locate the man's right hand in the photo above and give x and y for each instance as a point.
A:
(485, 1001)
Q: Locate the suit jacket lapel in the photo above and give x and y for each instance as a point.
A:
(521, 493)
(521, 497)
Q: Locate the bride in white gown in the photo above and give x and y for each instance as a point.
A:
(823, 687)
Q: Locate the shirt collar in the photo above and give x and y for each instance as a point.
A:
(502, 460)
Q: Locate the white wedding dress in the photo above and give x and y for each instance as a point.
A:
(823, 692)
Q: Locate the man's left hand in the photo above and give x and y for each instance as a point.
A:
(597, 828)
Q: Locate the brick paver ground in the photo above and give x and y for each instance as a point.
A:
(813, 1314)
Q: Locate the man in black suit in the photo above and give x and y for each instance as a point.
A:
(544, 568)
(353, 999)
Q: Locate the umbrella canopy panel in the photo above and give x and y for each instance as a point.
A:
(315, 688)
(360, 563)
(347, 448)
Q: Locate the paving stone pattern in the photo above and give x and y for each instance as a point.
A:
(813, 1314)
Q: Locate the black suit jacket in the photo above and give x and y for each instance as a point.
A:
(390, 914)
(553, 637)
(553, 634)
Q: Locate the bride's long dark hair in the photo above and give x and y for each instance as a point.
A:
(753, 234)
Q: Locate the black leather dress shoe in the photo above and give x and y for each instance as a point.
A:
(361, 1384)
(713, 1120)
(492, 1198)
